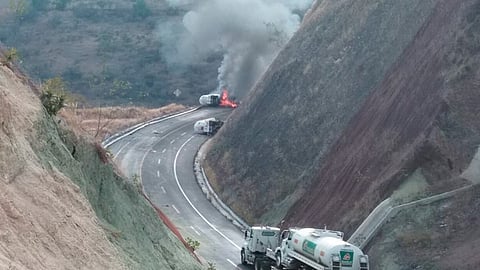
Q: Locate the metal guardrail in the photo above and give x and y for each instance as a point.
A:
(210, 193)
(386, 210)
(129, 131)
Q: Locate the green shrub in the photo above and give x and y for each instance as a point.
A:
(54, 94)
(211, 266)
(194, 244)
(11, 55)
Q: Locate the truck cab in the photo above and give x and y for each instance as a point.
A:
(257, 240)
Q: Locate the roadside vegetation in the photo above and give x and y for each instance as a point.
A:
(120, 60)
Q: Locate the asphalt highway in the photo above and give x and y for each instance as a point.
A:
(162, 156)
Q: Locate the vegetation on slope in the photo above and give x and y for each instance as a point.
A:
(64, 204)
(129, 221)
(108, 51)
(46, 221)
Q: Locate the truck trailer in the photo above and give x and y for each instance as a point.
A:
(300, 248)
(209, 100)
(208, 126)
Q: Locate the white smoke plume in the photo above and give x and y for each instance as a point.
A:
(249, 34)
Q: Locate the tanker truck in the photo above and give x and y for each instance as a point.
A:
(209, 100)
(208, 126)
(300, 248)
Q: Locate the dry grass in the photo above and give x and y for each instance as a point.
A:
(102, 122)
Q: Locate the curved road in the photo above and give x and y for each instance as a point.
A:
(162, 155)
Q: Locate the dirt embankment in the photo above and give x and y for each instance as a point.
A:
(422, 118)
(62, 206)
(46, 221)
(273, 145)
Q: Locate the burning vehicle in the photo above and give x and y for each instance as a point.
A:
(208, 126)
(221, 100)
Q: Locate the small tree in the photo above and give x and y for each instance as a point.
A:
(11, 55)
(194, 244)
(211, 266)
(54, 95)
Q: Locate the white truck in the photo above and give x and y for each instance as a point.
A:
(209, 100)
(300, 248)
(208, 126)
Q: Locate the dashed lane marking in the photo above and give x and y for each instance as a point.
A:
(172, 141)
(159, 161)
(232, 263)
(194, 230)
(175, 208)
(158, 174)
(164, 150)
(163, 189)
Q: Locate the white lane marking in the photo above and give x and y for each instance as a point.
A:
(148, 151)
(194, 230)
(188, 200)
(158, 174)
(175, 208)
(163, 190)
(120, 150)
(183, 134)
(164, 150)
(232, 263)
(172, 141)
(159, 160)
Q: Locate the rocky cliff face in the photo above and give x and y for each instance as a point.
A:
(61, 207)
(368, 98)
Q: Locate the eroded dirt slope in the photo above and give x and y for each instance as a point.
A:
(422, 115)
(46, 221)
(276, 141)
(62, 204)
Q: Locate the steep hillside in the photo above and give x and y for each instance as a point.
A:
(331, 135)
(277, 140)
(61, 206)
(46, 221)
(422, 117)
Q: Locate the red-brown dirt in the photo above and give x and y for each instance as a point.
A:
(421, 116)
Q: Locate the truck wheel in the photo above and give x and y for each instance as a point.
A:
(242, 257)
(278, 260)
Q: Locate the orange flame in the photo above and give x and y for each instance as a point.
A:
(225, 101)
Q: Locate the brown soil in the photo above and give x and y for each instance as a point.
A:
(102, 122)
(422, 116)
(46, 221)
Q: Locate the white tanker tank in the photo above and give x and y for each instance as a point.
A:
(301, 248)
(209, 100)
(323, 245)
